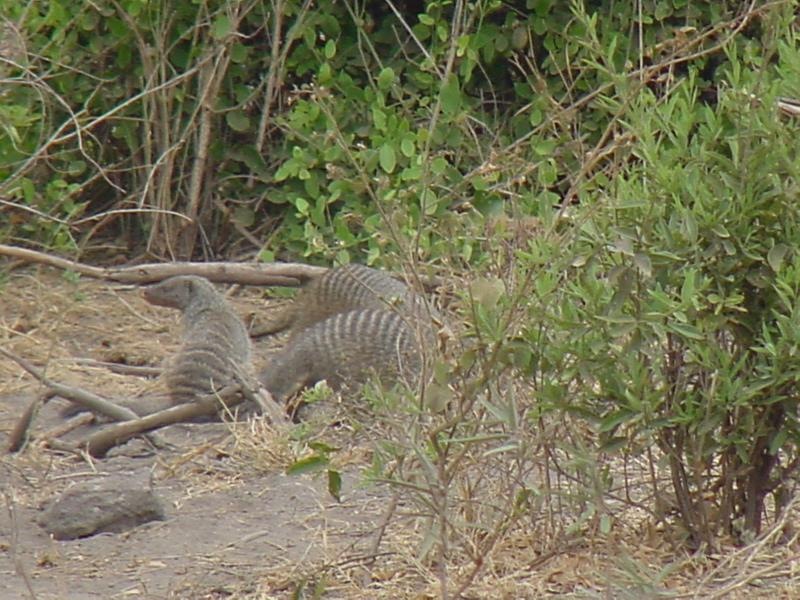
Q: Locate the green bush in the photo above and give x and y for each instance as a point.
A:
(615, 172)
(325, 132)
(676, 324)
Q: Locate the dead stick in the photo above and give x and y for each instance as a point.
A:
(230, 396)
(20, 434)
(260, 396)
(63, 446)
(77, 395)
(84, 418)
(286, 274)
(281, 274)
(119, 368)
(101, 442)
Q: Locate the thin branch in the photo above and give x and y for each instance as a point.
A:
(20, 435)
(98, 444)
(120, 368)
(19, 567)
(284, 274)
(77, 395)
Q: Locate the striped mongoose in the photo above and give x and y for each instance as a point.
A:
(215, 344)
(351, 322)
(345, 288)
(345, 349)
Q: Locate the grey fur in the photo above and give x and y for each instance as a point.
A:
(348, 323)
(346, 288)
(215, 345)
(345, 349)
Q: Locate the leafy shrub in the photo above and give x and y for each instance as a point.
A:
(351, 127)
(616, 173)
(677, 322)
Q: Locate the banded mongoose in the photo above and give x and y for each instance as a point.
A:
(345, 349)
(215, 344)
(349, 323)
(345, 288)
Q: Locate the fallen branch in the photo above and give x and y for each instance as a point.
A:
(284, 274)
(280, 274)
(79, 396)
(20, 434)
(66, 447)
(98, 444)
(120, 368)
(79, 420)
(258, 395)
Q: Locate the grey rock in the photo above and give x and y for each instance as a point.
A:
(110, 505)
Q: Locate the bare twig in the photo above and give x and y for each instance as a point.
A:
(277, 274)
(57, 137)
(79, 396)
(79, 420)
(18, 566)
(119, 368)
(210, 80)
(20, 434)
(98, 444)
(284, 274)
(385, 520)
(101, 442)
(258, 395)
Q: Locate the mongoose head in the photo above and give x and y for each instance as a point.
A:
(182, 292)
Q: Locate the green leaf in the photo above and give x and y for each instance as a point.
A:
(379, 118)
(28, 190)
(613, 444)
(721, 231)
(643, 264)
(302, 206)
(605, 524)
(776, 255)
(778, 441)
(689, 227)
(335, 484)
(544, 147)
(330, 49)
(325, 74)
(322, 447)
(244, 215)
(487, 291)
(237, 120)
(450, 97)
(388, 158)
(439, 165)
(309, 464)
(221, 27)
(688, 288)
(615, 419)
(686, 330)
(386, 78)
(239, 53)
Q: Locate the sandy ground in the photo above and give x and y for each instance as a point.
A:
(229, 525)
(239, 528)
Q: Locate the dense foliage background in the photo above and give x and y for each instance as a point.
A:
(615, 177)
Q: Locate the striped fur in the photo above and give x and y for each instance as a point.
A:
(345, 349)
(215, 341)
(345, 288)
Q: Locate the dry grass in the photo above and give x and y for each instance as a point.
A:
(567, 540)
